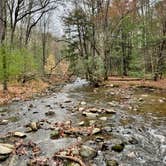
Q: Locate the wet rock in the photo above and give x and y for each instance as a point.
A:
(19, 134)
(50, 113)
(131, 155)
(31, 106)
(81, 109)
(96, 131)
(112, 163)
(55, 134)
(3, 157)
(90, 115)
(33, 126)
(87, 152)
(99, 139)
(4, 122)
(35, 112)
(118, 147)
(110, 111)
(103, 118)
(140, 99)
(67, 101)
(161, 100)
(83, 103)
(107, 129)
(81, 123)
(28, 130)
(6, 149)
(92, 122)
(74, 164)
(133, 141)
(113, 103)
(16, 99)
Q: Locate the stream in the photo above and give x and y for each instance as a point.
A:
(137, 122)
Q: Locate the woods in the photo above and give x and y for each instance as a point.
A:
(123, 38)
(25, 36)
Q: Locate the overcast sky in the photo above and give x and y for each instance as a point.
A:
(56, 26)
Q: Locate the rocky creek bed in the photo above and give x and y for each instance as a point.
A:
(81, 125)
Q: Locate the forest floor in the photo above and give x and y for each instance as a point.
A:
(17, 91)
(127, 82)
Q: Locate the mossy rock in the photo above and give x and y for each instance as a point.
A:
(118, 147)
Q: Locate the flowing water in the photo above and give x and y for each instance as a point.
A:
(139, 122)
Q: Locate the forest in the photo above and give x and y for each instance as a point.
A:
(82, 82)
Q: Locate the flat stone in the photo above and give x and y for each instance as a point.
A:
(81, 123)
(4, 122)
(96, 131)
(110, 111)
(87, 152)
(90, 115)
(6, 149)
(50, 113)
(81, 109)
(19, 134)
(103, 118)
(112, 163)
(92, 122)
(83, 103)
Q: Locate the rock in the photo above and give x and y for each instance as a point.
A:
(90, 115)
(87, 152)
(103, 118)
(107, 129)
(110, 111)
(4, 122)
(118, 147)
(99, 139)
(75, 151)
(16, 99)
(81, 123)
(3, 157)
(112, 163)
(34, 126)
(74, 164)
(67, 101)
(131, 155)
(31, 106)
(133, 141)
(55, 134)
(6, 149)
(19, 134)
(113, 103)
(161, 100)
(28, 130)
(140, 99)
(50, 113)
(81, 109)
(92, 122)
(96, 131)
(83, 103)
